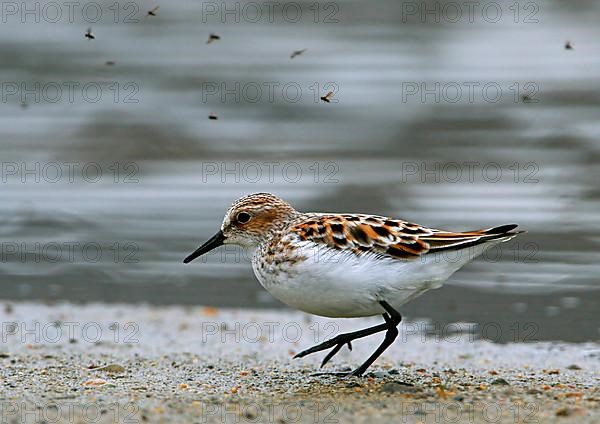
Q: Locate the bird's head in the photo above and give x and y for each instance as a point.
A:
(249, 221)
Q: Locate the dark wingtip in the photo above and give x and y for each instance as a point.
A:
(502, 229)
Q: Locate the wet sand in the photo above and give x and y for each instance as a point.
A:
(201, 364)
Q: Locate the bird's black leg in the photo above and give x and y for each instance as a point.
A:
(392, 319)
(339, 341)
(391, 334)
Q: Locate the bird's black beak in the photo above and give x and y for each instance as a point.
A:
(214, 242)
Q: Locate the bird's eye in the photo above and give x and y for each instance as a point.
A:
(243, 217)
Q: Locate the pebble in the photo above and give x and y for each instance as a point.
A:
(397, 387)
(95, 382)
(564, 412)
(111, 368)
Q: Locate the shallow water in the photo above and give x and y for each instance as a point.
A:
(447, 154)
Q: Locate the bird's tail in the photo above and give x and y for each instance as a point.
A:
(445, 240)
(502, 232)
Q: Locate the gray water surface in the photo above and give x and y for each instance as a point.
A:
(168, 173)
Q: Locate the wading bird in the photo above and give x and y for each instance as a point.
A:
(346, 265)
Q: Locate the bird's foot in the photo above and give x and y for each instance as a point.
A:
(337, 343)
(355, 373)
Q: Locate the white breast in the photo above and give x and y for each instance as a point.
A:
(337, 283)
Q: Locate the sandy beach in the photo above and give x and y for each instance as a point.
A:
(121, 363)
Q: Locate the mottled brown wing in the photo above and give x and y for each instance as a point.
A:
(362, 234)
